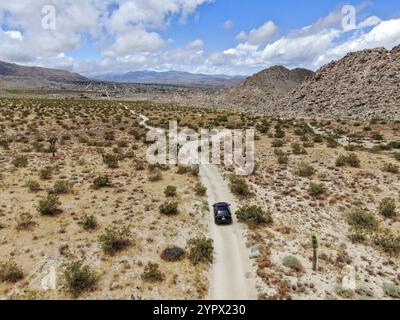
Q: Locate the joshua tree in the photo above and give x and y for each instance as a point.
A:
(315, 246)
(52, 141)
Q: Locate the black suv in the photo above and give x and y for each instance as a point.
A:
(222, 213)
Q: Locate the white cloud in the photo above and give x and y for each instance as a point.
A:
(258, 36)
(369, 22)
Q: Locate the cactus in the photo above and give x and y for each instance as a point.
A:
(315, 246)
(52, 141)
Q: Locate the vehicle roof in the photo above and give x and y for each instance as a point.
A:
(221, 204)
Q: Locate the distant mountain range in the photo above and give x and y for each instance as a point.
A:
(174, 78)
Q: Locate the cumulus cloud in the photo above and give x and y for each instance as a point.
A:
(258, 36)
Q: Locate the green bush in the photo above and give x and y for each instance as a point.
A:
(391, 290)
(20, 161)
(277, 144)
(114, 240)
(33, 185)
(387, 207)
(10, 272)
(152, 273)
(200, 250)
(170, 191)
(391, 168)
(361, 219)
(46, 173)
(89, 222)
(282, 158)
(253, 215)
(61, 187)
(24, 221)
(200, 190)
(101, 182)
(317, 190)
(78, 278)
(351, 160)
(304, 170)
(239, 186)
(111, 160)
(169, 208)
(49, 206)
(297, 149)
(293, 263)
(155, 175)
(388, 241)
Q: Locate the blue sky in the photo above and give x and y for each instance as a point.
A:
(220, 36)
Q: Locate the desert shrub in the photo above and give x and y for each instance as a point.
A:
(345, 293)
(200, 250)
(282, 157)
(317, 190)
(239, 186)
(89, 222)
(200, 190)
(170, 191)
(391, 168)
(364, 220)
(394, 145)
(61, 187)
(173, 254)
(182, 170)
(33, 185)
(253, 215)
(387, 207)
(115, 239)
(24, 221)
(293, 263)
(396, 155)
(351, 160)
(304, 170)
(78, 278)
(279, 133)
(111, 160)
(4, 144)
(277, 144)
(20, 161)
(194, 170)
(169, 208)
(331, 142)
(388, 241)
(46, 173)
(49, 206)
(101, 182)
(391, 290)
(155, 175)
(152, 273)
(10, 272)
(377, 136)
(297, 149)
(358, 235)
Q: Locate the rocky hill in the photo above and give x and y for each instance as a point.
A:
(14, 73)
(364, 84)
(262, 90)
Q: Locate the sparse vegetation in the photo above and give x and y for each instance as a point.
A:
(10, 272)
(200, 250)
(169, 208)
(359, 218)
(304, 170)
(101, 182)
(293, 263)
(49, 206)
(115, 239)
(152, 273)
(239, 186)
(170, 191)
(78, 278)
(387, 208)
(254, 216)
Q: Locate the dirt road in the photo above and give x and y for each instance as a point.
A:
(231, 276)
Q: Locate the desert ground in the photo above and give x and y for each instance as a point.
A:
(95, 221)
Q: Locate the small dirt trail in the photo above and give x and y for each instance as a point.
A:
(231, 276)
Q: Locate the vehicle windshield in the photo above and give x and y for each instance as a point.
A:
(223, 213)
